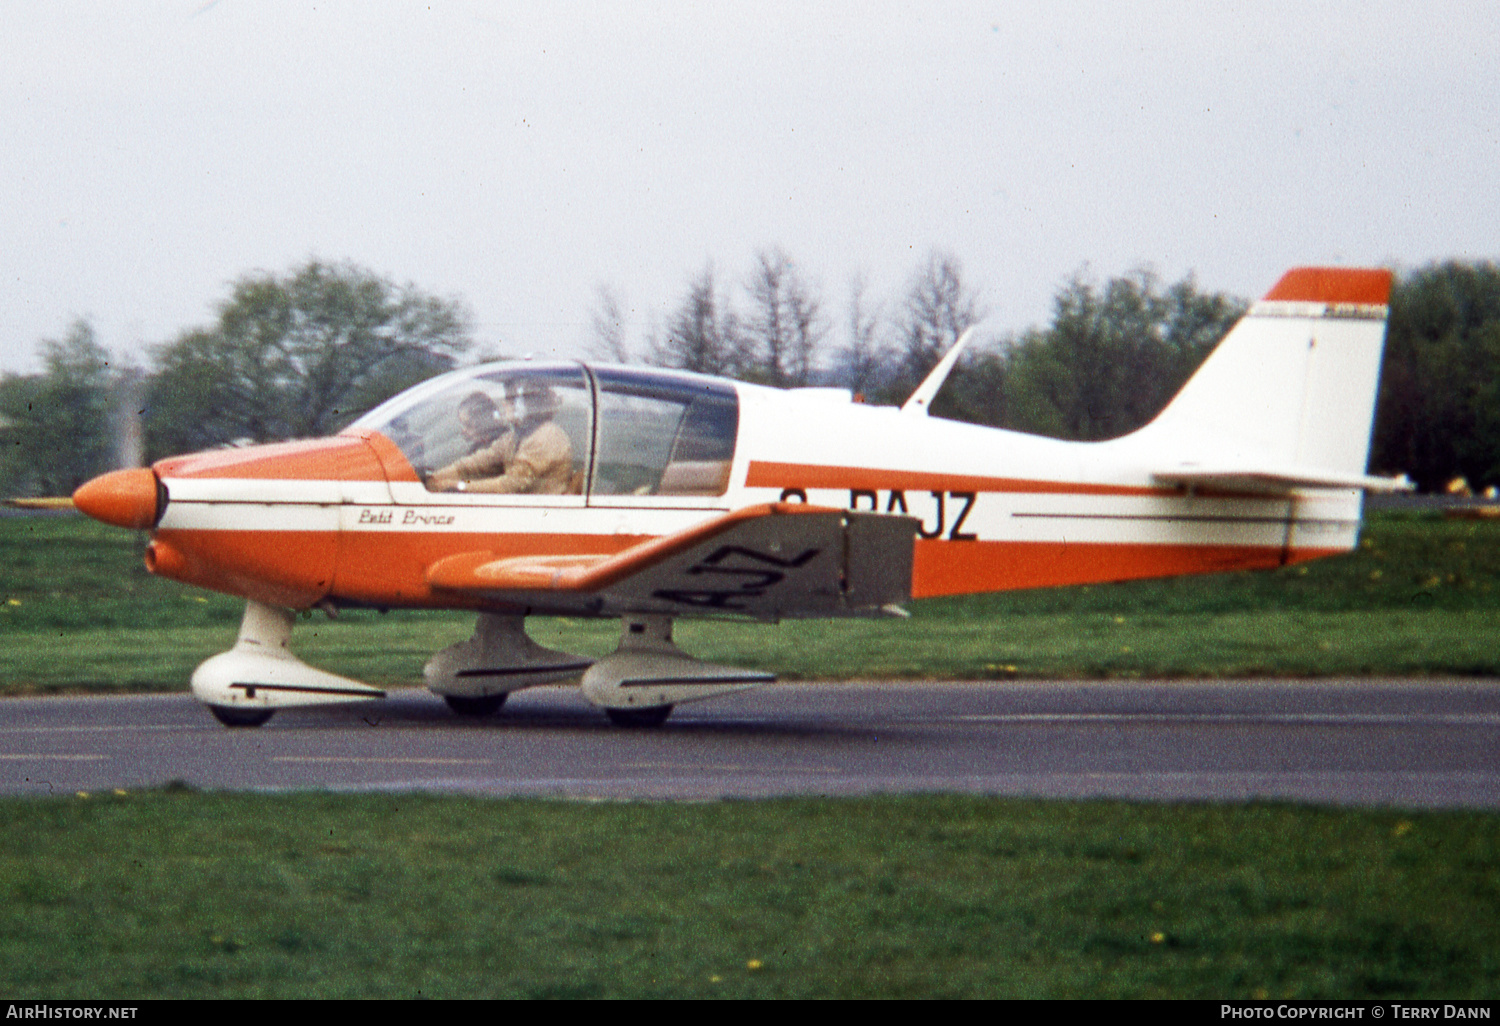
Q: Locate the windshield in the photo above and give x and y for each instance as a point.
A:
(515, 429)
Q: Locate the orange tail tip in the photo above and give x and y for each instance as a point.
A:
(1333, 285)
(124, 498)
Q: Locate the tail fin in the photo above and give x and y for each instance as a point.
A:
(1288, 398)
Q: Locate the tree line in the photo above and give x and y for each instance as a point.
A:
(305, 352)
(288, 356)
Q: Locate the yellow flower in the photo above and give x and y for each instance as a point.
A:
(753, 964)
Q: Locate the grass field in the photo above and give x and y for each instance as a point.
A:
(1420, 596)
(174, 893)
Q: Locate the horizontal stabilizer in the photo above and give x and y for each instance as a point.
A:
(766, 562)
(1277, 481)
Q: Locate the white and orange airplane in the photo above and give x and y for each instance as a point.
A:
(520, 488)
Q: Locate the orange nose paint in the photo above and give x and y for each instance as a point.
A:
(124, 498)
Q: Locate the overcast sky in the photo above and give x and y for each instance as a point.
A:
(520, 155)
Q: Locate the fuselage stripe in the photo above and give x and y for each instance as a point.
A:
(764, 474)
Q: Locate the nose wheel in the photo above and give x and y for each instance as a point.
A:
(231, 717)
(654, 716)
(487, 705)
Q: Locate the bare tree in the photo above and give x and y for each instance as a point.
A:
(809, 327)
(938, 308)
(863, 364)
(607, 327)
(703, 335)
(785, 325)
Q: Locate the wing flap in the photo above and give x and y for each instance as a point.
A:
(771, 561)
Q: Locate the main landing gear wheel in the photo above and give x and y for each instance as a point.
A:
(232, 717)
(655, 716)
(488, 705)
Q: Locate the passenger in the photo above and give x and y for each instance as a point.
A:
(522, 452)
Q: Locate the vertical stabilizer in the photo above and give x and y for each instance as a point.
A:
(1293, 383)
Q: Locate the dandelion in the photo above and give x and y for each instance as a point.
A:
(753, 964)
(1158, 938)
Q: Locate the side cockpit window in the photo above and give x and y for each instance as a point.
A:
(663, 436)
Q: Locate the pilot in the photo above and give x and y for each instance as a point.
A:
(481, 423)
(521, 452)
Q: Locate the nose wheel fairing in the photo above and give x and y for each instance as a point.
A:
(259, 674)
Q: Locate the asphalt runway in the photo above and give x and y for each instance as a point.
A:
(1368, 743)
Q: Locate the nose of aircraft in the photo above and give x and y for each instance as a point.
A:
(124, 498)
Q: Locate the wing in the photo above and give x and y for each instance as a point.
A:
(768, 562)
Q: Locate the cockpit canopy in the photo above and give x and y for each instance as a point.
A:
(632, 431)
